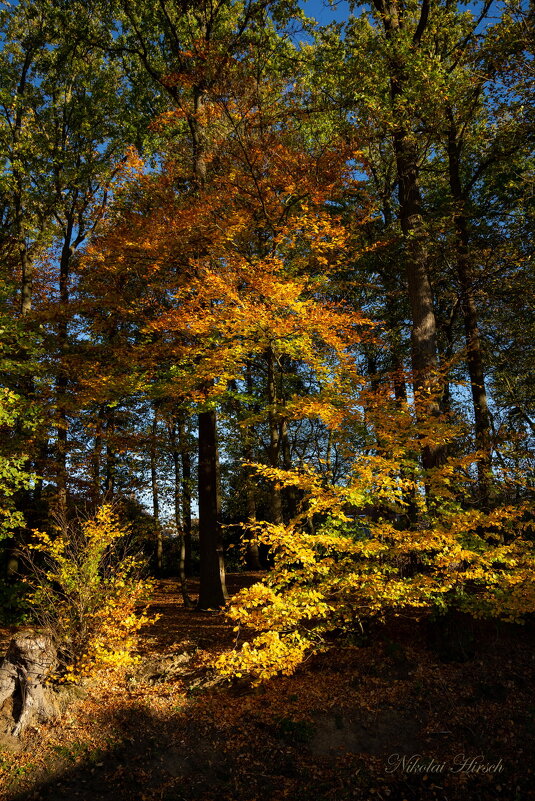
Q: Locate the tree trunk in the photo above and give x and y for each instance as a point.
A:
(474, 357)
(27, 387)
(409, 496)
(155, 494)
(178, 519)
(62, 376)
(109, 479)
(185, 458)
(24, 696)
(252, 554)
(423, 331)
(212, 592)
(96, 458)
(291, 492)
(27, 272)
(329, 478)
(274, 438)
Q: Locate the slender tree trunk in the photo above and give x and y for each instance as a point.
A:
(27, 275)
(178, 519)
(406, 473)
(96, 460)
(423, 331)
(328, 459)
(475, 361)
(291, 493)
(274, 437)
(62, 379)
(111, 458)
(27, 384)
(400, 388)
(252, 554)
(155, 493)
(185, 458)
(26, 264)
(212, 593)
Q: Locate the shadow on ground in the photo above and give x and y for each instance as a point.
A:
(413, 714)
(321, 761)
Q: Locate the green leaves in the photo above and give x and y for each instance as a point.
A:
(14, 473)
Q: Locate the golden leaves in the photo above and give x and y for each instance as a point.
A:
(356, 561)
(91, 607)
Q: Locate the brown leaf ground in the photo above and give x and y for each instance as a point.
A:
(386, 718)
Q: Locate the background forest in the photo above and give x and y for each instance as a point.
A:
(267, 294)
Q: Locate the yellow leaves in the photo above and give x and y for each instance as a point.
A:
(269, 653)
(90, 601)
(354, 565)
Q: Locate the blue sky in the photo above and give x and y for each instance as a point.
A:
(324, 12)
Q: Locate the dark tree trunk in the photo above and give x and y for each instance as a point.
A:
(62, 379)
(252, 554)
(111, 467)
(274, 438)
(291, 494)
(185, 457)
(178, 502)
(423, 331)
(96, 459)
(155, 493)
(329, 478)
(409, 496)
(27, 271)
(474, 358)
(212, 592)
(27, 387)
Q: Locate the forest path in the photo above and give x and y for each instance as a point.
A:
(177, 624)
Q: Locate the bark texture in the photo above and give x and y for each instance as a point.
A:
(24, 697)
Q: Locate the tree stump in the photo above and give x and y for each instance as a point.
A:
(24, 697)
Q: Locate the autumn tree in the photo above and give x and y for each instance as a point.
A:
(240, 252)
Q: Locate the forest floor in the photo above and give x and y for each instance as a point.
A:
(414, 713)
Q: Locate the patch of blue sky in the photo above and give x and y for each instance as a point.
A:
(325, 12)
